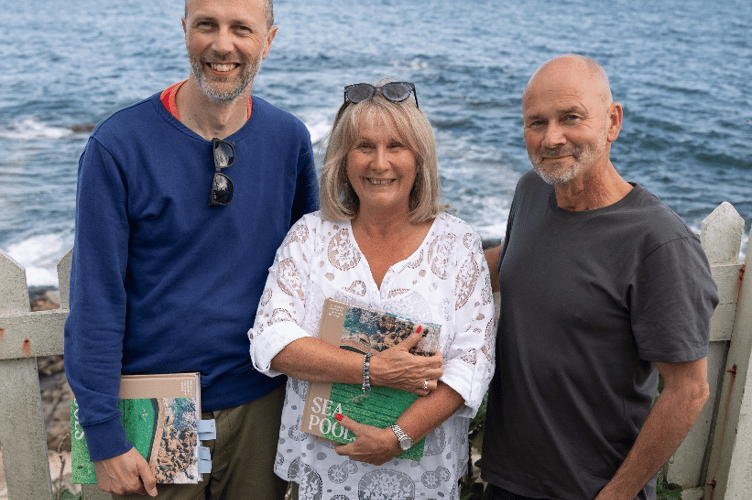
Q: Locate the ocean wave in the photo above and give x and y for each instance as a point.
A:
(39, 255)
(319, 124)
(32, 128)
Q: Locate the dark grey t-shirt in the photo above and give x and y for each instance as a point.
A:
(589, 300)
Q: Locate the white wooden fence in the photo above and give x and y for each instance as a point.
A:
(713, 463)
(24, 336)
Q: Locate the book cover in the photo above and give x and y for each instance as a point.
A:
(363, 330)
(160, 417)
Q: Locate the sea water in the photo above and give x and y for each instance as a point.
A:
(681, 69)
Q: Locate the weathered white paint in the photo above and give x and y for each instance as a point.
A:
(721, 238)
(730, 467)
(721, 234)
(22, 436)
(26, 335)
(693, 494)
(32, 334)
(63, 278)
(727, 279)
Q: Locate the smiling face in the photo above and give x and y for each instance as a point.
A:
(568, 130)
(226, 40)
(381, 167)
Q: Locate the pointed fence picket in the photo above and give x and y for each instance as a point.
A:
(713, 463)
(25, 336)
(729, 458)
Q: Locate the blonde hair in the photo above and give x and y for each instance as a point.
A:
(338, 198)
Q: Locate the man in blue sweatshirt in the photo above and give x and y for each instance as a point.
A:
(183, 199)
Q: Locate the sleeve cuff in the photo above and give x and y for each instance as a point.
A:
(106, 439)
(270, 342)
(461, 378)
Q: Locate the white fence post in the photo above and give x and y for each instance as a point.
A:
(63, 278)
(24, 336)
(22, 436)
(721, 239)
(730, 466)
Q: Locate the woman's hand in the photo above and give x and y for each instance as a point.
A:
(397, 368)
(372, 445)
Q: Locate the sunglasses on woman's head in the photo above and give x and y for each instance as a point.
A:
(222, 187)
(392, 91)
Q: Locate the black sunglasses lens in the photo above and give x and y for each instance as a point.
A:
(396, 92)
(224, 154)
(222, 189)
(360, 92)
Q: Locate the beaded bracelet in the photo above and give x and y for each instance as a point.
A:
(366, 375)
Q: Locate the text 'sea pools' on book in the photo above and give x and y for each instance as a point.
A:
(363, 330)
(161, 415)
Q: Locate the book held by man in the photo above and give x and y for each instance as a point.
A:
(363, 330)
(162, 419)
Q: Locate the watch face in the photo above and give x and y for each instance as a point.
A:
(406, 443)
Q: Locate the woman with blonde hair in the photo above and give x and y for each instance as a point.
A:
(381, 240)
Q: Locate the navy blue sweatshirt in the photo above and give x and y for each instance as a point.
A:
(161, 282)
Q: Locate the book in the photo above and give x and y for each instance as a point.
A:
(363, 330)
(161, 416)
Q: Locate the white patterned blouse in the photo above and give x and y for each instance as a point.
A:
(445, 281)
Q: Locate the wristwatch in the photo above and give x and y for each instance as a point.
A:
(405, 441)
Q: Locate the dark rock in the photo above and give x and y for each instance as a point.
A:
(491, 243)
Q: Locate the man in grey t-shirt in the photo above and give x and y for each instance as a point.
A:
(602, 288)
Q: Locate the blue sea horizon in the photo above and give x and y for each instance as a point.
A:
(680, 69)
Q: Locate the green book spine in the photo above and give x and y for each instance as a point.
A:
(82, 470)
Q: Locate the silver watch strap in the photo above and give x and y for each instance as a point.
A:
(399, 432)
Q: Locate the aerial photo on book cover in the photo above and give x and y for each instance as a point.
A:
(160, 417)
(363, 330)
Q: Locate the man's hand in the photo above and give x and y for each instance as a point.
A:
(685, 390)
(126, 474)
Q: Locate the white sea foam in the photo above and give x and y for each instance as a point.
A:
(39, 255)
(417, 64)
(32, 128)
(492, 231)
(319, 124)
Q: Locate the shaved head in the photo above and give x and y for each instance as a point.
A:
(580, 64)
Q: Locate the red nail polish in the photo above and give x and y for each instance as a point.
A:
(420, 329)
(338, 416)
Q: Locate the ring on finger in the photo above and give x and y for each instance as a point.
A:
(425, 385)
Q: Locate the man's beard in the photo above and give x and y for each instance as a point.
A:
(585, 156)
(216, 95)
